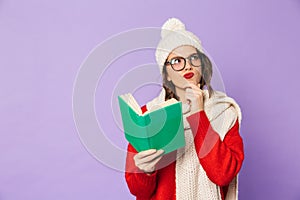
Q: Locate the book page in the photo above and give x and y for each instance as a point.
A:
(130, 100)
(161, 105)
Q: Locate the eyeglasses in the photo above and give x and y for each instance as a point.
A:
(178, 63)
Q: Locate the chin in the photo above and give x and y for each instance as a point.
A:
(193, 81)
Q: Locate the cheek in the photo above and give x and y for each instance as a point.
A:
(170, 70)
(170, 74)
(173, 75)
(199, 74)
(199, 70)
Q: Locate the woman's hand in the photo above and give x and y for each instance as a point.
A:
(146, 160)
(194, 95)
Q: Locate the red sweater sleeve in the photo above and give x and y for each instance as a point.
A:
(221, 160)
(140, 184)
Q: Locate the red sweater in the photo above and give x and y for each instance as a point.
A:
(221, 161)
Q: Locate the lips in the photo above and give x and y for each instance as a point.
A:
(188, 75)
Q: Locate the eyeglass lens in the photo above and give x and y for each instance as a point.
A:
(178, 63)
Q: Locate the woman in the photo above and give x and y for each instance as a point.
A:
(207, 167)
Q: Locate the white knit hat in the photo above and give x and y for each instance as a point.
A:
(173, 35)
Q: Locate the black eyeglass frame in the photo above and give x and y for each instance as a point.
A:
(187, 58)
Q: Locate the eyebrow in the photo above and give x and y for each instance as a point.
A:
(181, 56)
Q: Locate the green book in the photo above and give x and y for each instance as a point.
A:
(158, 128)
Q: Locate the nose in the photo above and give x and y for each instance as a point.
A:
(188, 66)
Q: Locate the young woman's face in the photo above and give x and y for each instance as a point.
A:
(189, 73)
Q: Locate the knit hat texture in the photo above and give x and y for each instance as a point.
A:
(173, 35)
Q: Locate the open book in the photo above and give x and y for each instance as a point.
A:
(161, 127)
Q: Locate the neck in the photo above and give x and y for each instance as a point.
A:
(180, 92)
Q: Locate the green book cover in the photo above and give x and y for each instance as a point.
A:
(159, 128)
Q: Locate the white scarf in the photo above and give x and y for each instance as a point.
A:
(191, 179)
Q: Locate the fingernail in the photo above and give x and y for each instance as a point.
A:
(152, 150)
(161, 151)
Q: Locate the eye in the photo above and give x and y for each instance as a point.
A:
(175, 61)
(194, 57)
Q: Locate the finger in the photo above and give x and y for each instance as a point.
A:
(149, 167)
(193, 95)
(155, 161)
(145, 168)
(195, 87)
(145, 153)
(187, 85)
(160, 152)
(152, 166)
(152, 157)
(193, 99)
(190, 96)
(189, 91)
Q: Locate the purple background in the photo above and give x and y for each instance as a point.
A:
(255, 44)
